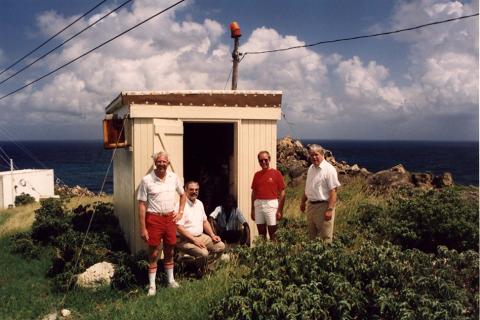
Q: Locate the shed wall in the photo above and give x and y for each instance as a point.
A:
(124, 195)
(253, 136)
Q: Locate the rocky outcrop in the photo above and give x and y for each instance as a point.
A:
(76, 191)
(292, 159)
(99, 274)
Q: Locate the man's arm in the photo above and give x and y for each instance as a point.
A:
(207, 228)
(303, 202)
(178, 215)
(142, 209)
(252, 211)
(187, 235)
(281, 202)
(332, 200)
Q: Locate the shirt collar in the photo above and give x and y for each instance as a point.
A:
(321, 165)
(156, 178)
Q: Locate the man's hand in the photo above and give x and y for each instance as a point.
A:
(279, 215)
(216, 238)
(302, 206)
(199, 243)
(144, 234)
(177, 216)
(328, 214)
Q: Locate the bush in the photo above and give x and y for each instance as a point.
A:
(50, 221)
(424, 221)
(24, 199)
(22, 244)
(309, 280)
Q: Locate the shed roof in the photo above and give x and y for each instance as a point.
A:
(203, 98)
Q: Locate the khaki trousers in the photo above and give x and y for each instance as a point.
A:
(191, 249)
(316, 224)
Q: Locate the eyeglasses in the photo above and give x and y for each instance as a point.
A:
(263, 160)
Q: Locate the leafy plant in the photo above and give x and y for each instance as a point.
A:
(24, 199)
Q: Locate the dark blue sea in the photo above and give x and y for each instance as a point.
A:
(85, 163)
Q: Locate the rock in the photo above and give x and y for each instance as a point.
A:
(51, 316)
(389, 179)
(399, 168)
(443, 180)
(422, 180)
(65, 313)
(97, 275)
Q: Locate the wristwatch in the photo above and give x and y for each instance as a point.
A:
(329, 209)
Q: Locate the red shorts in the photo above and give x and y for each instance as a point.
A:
(161, 227)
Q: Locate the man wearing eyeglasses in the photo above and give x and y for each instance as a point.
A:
(268, 197)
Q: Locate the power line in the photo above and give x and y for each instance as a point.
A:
(91, 50)
(361, 37)
(56, 34)
(68, 40)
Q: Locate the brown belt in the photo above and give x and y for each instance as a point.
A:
(160, 213)
(317, 201)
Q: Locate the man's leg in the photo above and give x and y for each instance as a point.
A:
(326, 228)
(153, 252)
(311, 225)
(169, 242)
(270, 213)
(260, 220)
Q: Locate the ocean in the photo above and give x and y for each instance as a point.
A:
(85, 163)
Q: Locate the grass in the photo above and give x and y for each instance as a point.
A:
(26, 293)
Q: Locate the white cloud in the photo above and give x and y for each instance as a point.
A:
(169, 54)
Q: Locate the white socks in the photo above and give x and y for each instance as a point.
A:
(170, 275)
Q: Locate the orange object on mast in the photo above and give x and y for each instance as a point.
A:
(235, 30)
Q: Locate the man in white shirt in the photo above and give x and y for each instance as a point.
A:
(320, 196)
(196, 235)
(156, 206)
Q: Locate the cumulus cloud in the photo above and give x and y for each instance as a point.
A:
(325, 96)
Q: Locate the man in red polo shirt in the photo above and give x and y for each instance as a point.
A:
(268, 196)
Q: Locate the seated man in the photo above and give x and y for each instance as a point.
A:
(196, 235)
(229, 222)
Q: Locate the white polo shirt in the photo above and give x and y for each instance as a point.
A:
(160, 194)
(320, 181)
(193, 217)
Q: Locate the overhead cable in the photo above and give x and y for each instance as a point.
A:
(64, 42)
(56, 34)
(361, 37)
(91, 50)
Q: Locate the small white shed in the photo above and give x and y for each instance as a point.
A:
(39, 183)
(211, 136)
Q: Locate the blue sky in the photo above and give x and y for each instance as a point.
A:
(419, 85)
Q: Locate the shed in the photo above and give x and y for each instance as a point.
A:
(211, 136)
(38, 183)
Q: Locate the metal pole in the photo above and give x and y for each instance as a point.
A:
(236, 60)
(13, 188)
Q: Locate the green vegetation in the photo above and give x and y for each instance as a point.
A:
(24, 199)
(411, 256)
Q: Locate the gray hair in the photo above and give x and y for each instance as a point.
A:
(160, 154)
(316, 148)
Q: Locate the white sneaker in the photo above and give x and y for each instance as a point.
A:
(173, 284)
(151, 291)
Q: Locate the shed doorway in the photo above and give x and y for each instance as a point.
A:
(208, 157)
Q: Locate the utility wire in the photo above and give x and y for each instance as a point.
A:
(68, 40)
(90, 51)
(361, 37)
(48, 40)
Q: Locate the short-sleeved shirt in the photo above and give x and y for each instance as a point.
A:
(160, 194)
(193, 217)
(320, 181)
(267, 183)
(234, 222)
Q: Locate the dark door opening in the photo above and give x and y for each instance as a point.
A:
(208, 159)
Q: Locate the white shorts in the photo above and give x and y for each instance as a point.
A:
(266, 211)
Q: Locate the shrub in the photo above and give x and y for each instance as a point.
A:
(424, 221)
(22, 244)
(50, 221)
(24, 199)
(309, 280)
